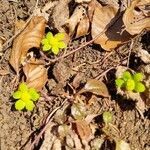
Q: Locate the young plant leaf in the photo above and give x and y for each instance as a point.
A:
(138, 77)
(19, 105)
(119, 82)
(126, 75)
(139, 87)
(96, 87)
(130, 85)
(107, 117)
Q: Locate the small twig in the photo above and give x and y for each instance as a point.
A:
(104, 73)
(131, 46)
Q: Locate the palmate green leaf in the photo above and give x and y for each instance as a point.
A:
(25, 96)
(119, 82)
(59, 36)
(62, 45)
(126, 75)
(17, 95)
(46, 47)
(138, 77)
(23, 87)
(29, 105)
(49, 36)
(107, 117)
(55, 50)
(130, 85)
(139, 87)
(19, 105)
(34, 95)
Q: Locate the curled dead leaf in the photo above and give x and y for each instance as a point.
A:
(137, 17)
(102, 17)
(30, 37)
(77, 16)
(83, 27)
(96, 87)
(36, 75)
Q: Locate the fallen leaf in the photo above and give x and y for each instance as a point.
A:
(77, 16)
(136, 17)
(30, 37)
(107, 18)
(96, 87)
(83, 130)
(102, 16)
(36, 75)
(83, 27)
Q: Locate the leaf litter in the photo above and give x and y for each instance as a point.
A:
(70, 126)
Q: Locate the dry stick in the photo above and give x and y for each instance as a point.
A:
(45, 127)
(131, 46)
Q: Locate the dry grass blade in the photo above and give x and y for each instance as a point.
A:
(30, 37)
(136, 17)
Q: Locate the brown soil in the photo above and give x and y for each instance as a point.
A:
(90, 62)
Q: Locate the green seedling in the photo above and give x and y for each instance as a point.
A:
(107, 117)
(25, 97)
(131, 82)
(53, 43)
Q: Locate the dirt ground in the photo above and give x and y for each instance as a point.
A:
(18, 128)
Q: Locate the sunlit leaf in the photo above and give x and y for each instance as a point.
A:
(19, 105)
(36, 75)
(17, 95)
(139, 87)
(136, 17)
(30, 37)
(29, 105)
(96, 87)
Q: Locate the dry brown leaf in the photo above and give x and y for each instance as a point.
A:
(36, 75)
(137, 17)
(106, 17)
(102, 16)
(77, 16)
(83, 130)
(30, 37)
(83, 27)
(96, 87)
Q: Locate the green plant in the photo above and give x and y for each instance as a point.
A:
(25, 97)
(107, 117)
(53, 43)
(131, 82)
